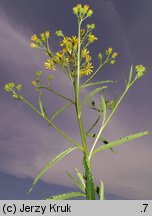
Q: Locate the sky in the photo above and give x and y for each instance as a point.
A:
(26, 141)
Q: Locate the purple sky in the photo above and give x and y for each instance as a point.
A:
(27, 143)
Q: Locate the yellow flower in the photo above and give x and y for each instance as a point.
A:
(85, 53)
(33, 83)
(34, 37)
(114, 55)
(112, 62)
(49, 64)
(109, 51)
(43, 37)
(47, 34)
(87, 69)
(33, 45)
(92, 38)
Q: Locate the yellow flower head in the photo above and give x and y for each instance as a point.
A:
(109, 51)
(33, 45)
(34, 37)
(87, 69)
(47, 34)
(114, 55)
(85, 53)
(49, 64)
(92, 38)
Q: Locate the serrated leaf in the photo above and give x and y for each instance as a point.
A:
(91, 94)
(66, 196)
(81, 177)
(60, 110)
(50, 164)
(121, 141)
(101, 191)
(90, 187)
(79, 184)
(97, 83)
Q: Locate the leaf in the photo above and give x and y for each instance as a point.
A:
(50, 164)
(65, 196)
(121, 141)
(130, 75)
(43, 111)
(60, 110)
(76, 182)
(101, 191)
(103, 108)
(90, 187)
(91, 94)
(81, 177)
(96, 83)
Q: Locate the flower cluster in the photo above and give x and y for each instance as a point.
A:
(111, 56)
(140, 70)
(37, 41)
(11, 88)
(82, 11)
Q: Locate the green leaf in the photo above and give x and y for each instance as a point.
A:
(121, 141)
(43, 111)
(90, 187)
(97, 83)
(130, 75)
(76, 182)
(66, 196)
(50, 164)
(101, 192)
(81, 177)
(103, 108)
(60, 110)
(91, 94)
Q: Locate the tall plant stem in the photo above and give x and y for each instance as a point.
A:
(86, 161)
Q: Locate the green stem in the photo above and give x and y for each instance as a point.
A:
(56, 93)
(106, 122)
(52, 124)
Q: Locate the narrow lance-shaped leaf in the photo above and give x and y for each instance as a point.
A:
(79, 184)
(91, 94)
(103, 109)
(50, 164)
(60, 110)
(101, 192)
(66, 196)
(130, 75)
(121, 141)
(96, 83)
(81, 177)
(43, 111)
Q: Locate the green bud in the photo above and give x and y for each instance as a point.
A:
(50, 78)
(59, 33)
(90, 12)
(100, 56)
(19, 87)
(9, 87)
(39, 73)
